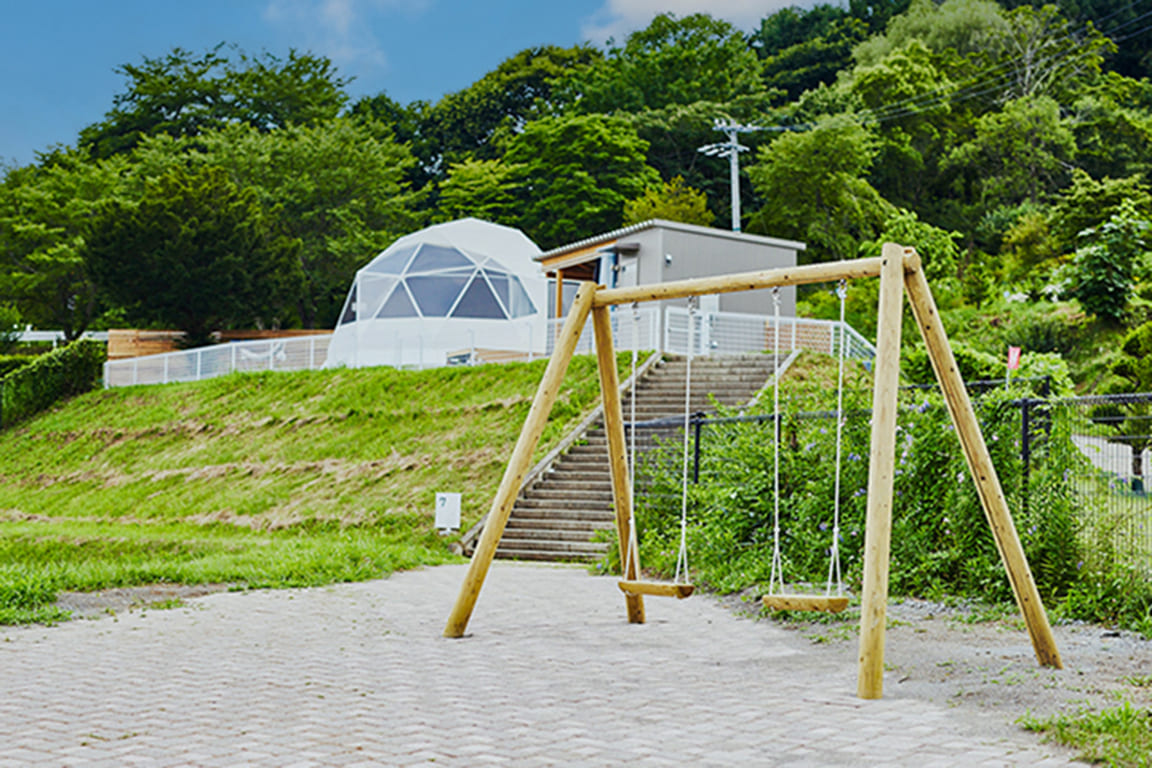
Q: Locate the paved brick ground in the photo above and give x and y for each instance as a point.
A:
(358, 675)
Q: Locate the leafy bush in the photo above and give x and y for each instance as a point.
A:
(62, 373)
(941, 542)
(974, 365)
(9, 363)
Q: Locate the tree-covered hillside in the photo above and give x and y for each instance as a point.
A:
(1009, 141)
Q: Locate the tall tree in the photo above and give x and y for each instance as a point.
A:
(196, 252)
(671, 61)
(575, 174)
(44, 211)
(814, 189)
(335, 187)
(673, 201)
(183, 94)
(1021, 153)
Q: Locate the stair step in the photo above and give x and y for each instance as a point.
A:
(544, 555)
(554, 545)
(562, 516)
(582, 505)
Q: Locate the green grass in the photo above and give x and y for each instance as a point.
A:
(258, 480)
(1119, 737)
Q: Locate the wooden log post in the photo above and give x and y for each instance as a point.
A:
(518, 465)
(617, 458)
(881, 473)
(980, 464)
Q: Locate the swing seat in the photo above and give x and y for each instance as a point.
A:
(805, 603)
(656, 589)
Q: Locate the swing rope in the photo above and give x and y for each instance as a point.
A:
(633, 542)
(776, 577)
(777, 573)
(681, 576)
(834, 554)
(680, 587)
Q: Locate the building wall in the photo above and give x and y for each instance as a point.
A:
(667, 255)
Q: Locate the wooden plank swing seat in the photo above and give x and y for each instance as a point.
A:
(656, 588)
(831, 604)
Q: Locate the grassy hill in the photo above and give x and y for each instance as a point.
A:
(269, 479)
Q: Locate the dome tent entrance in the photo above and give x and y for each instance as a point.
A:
(440, 293)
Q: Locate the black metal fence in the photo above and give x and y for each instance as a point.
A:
(1097, 449)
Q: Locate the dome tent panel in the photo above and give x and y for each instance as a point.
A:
(398, 305)
(436, 294)
(391, 262)
(478, 301)
(435, 258)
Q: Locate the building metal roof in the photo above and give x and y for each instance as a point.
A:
(588, 245)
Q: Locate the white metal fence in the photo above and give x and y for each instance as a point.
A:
(629, 327)
(653, 327)
(289, 354)
(718, 333)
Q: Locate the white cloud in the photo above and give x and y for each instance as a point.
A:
(340, 29)
(616, 18)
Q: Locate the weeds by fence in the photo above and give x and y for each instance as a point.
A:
(1072, 470)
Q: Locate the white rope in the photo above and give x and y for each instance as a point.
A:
(633, 541)
(777, 574)
(681, 576)
(834, 553)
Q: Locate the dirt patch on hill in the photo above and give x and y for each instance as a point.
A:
(109, 602)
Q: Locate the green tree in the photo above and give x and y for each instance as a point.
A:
(44, 211)
(815, 190)
(1047, 56)
(906, 96)
(1113, 132)
(184, 94)
(1087, 203)
(484, 189)
(574, 174)
(195, 252)
(477, 121)
(673, 201)
(335, 187)
(966, 27)
(803, 49)
(1106, 266)
(938, 248)
(1021, 153)
(671, 61)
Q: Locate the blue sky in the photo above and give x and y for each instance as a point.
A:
(57, 57)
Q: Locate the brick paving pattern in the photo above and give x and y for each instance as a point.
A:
(551, 674)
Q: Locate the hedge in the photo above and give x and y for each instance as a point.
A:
(9, 363)
(51, 377)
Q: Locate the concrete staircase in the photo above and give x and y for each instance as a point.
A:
(556, 518)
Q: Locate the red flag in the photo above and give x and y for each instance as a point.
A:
(1013, 358)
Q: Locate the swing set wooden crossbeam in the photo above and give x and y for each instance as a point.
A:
(900, 271)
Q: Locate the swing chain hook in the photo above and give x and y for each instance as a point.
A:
(842, 289)
(776, 295)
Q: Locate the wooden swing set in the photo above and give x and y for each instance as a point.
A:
(900, 271)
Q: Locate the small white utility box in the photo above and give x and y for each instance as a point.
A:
(447, 512)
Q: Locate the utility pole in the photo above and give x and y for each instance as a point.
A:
(732, 149)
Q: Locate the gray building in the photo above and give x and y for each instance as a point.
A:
(661, 251)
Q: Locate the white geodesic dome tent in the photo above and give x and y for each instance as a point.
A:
(440, 295)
